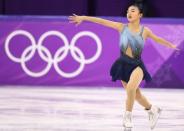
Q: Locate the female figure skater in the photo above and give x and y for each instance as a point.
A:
(129, 68)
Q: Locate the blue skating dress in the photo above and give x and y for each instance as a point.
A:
(122, 68)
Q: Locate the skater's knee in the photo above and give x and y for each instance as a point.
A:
(138, 95)
(130, 88)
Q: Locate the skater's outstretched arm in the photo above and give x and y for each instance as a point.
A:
(112, 24)
(159, 40)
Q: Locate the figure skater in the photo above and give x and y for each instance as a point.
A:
(129, 67)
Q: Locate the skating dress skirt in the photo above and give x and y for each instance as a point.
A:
(123, 66)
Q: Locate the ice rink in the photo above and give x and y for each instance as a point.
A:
(81, 109)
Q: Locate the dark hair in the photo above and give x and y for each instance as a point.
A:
(139, 6)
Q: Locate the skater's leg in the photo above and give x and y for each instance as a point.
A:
(153, 112)
(132, 85)
(140, 98)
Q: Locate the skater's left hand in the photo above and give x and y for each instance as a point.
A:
(175, 47)
(76, 19)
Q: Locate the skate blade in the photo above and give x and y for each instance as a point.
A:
(127, 129)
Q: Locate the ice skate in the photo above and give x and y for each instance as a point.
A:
(127, 121)
(153, 115)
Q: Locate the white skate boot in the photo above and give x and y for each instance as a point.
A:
(153, 115)
(127, 121)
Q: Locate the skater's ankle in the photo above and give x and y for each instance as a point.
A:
(128, 110)
(148, 108)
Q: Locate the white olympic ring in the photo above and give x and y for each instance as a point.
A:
(29, 52)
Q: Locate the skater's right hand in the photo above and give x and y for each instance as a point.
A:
(76, 19)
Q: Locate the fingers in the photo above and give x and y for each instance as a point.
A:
(74, 22)
(74, 19)
(71, 18)
(176, 48)
(74, 16)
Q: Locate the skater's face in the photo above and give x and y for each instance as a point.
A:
(133, 14)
